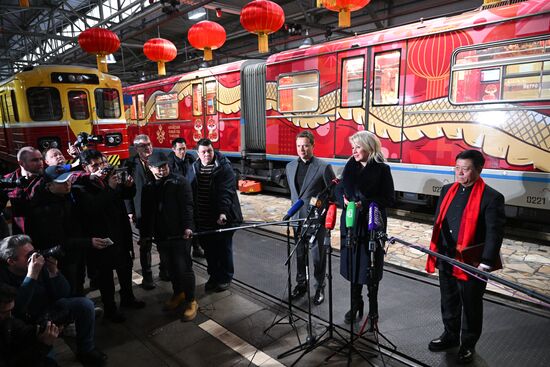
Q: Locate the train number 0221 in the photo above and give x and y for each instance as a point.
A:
(536, 200)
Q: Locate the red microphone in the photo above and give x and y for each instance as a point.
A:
(330, 220)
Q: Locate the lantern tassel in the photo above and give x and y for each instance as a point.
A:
(161, 68)
(263, 43)
(207, 54)
(24, 3)
(102, 63)
(344, 18)
(320, 3)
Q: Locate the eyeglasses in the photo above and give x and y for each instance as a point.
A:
(142, 145)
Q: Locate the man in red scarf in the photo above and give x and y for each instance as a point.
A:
(469, 227)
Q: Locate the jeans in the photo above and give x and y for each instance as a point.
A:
(177, 257)
(82, 309)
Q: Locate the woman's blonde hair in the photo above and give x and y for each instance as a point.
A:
(369, 142)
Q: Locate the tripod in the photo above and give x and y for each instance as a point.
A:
(289, 314)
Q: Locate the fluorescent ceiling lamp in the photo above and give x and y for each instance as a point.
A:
(110, 59)
(197, 13)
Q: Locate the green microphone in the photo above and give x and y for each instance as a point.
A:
(350, 214)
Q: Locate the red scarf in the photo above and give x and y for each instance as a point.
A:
(468, 225)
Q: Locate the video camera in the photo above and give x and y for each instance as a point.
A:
(59, 316)
(83, 139)
(8, 183)
(56, 252)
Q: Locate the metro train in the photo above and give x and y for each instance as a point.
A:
(428, 90)
(54, 105)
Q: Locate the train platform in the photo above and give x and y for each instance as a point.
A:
(229, 330)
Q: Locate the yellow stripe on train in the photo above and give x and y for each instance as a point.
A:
(114, 160)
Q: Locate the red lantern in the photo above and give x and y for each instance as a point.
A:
(207, 36)
(344, 9)
(429, 57)
(262, 17)
(100, 42)
(161, 51)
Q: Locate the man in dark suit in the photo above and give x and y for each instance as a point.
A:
(138, 169)
(308, 176)
(469, 227)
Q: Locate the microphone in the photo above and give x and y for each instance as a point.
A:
(330, 220)
(293, 209)
(350, 214)
(375, 218)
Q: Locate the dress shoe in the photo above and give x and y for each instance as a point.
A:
(319, 296)
(298, 291)
(132, 303)
(210, 286)
(198, 252)
(174, 302)
(93, 358)
(465, 355)
(148, 284)
(445, 341)
(220, 287)
(190, 311)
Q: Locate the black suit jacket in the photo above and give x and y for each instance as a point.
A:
(141, 178)
(490, 223)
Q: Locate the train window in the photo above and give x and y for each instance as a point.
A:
(352, 82)
(107, 103)
(197, 99)
(140, 106)
(78, 105)
(44, 104)
(14, 106)
(511, 71)
(298, 92)
(133, 108)
(167, 106)
(386, 78)
(210, 97)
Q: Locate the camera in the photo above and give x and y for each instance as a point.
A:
(9, 183)
(84, 139)
(58, 316)
(56, 252)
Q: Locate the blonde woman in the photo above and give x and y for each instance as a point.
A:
(365, 179)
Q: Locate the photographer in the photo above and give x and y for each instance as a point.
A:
(20, 185)
(42, 290)
(22, 344)
(102, 197)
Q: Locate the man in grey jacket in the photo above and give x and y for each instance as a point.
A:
(307, 177)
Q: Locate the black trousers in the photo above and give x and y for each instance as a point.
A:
(462, 307)
(218, 250)
(176, 255)
(121, 262)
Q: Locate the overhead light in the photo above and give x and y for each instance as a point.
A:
(196, 14)
(307, 42)
(110, 59)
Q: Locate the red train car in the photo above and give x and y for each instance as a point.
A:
(428, 90)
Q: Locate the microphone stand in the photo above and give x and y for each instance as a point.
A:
(290, 315)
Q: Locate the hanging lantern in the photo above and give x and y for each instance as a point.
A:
(207, 36)
(262, 17)
(100, 42)
(160, 51)
(344, 9)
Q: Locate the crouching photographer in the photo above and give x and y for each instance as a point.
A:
(42, 292)
(22, 344)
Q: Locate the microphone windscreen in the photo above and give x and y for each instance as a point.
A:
(293, 209)
(350, 214)
(375, 217)
(330, 220)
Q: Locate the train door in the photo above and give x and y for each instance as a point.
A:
(386, 97)
(80, 113)
(205, 114)
(350, 107)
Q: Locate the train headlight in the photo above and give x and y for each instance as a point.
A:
(112, 140)
(48, 142)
